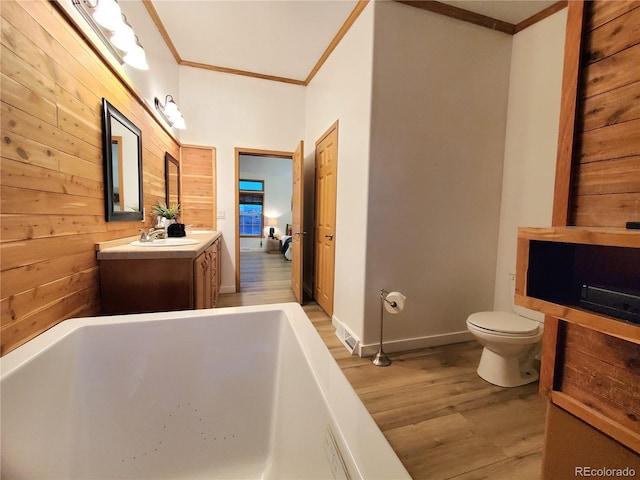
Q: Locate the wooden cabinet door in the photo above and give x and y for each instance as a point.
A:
(202, 281)
(215, 273)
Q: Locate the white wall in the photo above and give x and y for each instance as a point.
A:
(342, 91)
(229, 111)
(162, 77)
(531, 141)
(277, 174)
(437, 145)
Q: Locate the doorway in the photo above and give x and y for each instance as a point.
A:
(263, 202)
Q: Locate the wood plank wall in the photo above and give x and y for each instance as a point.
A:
(606, 183)
(52, 201)
(198, 169)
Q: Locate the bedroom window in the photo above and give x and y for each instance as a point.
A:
(251, 208)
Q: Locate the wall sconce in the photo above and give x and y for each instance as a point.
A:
(109, 23)
(170, 112)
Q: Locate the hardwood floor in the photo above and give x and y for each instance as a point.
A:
(264, 278)
(443, 421)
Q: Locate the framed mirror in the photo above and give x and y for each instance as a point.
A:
(171, 179)
(122, 154)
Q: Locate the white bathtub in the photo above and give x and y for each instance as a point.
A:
(236, 393)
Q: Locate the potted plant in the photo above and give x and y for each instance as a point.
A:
(166, 215)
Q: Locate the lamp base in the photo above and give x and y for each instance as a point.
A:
(381, 359)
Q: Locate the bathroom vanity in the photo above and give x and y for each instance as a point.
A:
(155, 277)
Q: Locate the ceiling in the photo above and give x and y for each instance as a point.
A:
(279, 38)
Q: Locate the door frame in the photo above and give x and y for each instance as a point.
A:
(255, 153)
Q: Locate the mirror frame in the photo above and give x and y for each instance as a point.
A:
(109, 112)
(168, 161)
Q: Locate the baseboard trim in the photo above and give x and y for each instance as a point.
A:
(403, 345)
(416, 343)
(227, 289)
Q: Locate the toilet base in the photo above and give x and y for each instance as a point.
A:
(504, 371)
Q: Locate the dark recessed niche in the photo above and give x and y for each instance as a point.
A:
(603, 279)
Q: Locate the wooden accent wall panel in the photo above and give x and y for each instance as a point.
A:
(51, 198)
(198, 170)
(606, 160)
(602, 373)
(571, 443)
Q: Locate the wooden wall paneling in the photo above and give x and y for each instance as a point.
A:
(570, 79)
(198, 171)
(612, 72)
(598, 372)
(612, 141)
(615, 176)
(71, 304)
(571, 443)
(51, 168)
(612, 210)
(550, 338)
(607, 138)
(18, 306)
(611, 107)
(601, 12)
(599, 381)
(616, 35)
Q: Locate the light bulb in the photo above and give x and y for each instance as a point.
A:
(137, 58)
(179, 124)
(108, 14)
(171, 109)
(124, 38)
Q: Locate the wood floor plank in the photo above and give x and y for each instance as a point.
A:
(442, 420)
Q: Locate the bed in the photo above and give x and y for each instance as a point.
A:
(286, 243)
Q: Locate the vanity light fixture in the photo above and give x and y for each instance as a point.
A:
(108, 22)
(170, 112)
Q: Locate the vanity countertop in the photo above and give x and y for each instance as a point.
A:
(121, 249)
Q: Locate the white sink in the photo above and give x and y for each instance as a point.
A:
(166, 242)
(199, 232)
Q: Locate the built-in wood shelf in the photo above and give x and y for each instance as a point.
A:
(554, 264)
(590, 360)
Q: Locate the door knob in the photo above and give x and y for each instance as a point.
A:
(329, 236)
(300, 233)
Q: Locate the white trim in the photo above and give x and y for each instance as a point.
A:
(227, 289)
(416, 343)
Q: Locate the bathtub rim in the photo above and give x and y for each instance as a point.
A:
(360, 438)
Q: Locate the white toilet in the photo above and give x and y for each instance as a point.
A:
(509, 341)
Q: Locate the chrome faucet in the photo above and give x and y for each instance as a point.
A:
(152, 234)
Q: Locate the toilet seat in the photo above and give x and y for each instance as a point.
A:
(503, 324)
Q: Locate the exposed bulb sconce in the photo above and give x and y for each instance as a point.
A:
(170, 112)
(108, 22)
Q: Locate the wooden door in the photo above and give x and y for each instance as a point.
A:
(297, 224)
(326, 166)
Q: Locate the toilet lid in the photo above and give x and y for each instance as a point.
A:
(503, 322)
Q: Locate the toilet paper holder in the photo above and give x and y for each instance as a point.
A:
(381, 359)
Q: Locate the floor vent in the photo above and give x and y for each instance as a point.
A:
(347, 338)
